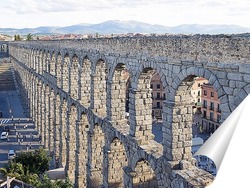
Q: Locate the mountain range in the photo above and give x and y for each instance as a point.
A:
(117, 27)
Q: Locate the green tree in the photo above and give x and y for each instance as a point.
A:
(17, 37)
(34, 162)
(29, 37)
(30, 166)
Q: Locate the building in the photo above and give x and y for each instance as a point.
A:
(196, 93)
(158, 96)
(210, 109)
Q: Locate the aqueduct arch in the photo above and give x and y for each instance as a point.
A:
(99, 63)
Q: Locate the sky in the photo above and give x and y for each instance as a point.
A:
(35, 13)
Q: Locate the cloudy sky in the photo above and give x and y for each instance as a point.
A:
(34, 13)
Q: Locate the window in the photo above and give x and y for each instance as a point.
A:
(218, 118)
(204, 113)
(199, 85)
(158, 86)
(199, 93)
(158, 95)
(199, 100)
(158, 104)
(205, 92)
(211, 106)
(164, 96)
(205, 104)
(151, 86)
(218, 108)
(212, 94)
(211, 116)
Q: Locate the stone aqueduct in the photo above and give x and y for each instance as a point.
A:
(76, 92)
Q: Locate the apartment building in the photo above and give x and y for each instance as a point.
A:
(158, 96)
(210, 109)
(196, 93)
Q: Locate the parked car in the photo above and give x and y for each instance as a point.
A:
(4, 135)
(11, 154)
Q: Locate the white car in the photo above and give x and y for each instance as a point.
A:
(4, 135)
(11, 154)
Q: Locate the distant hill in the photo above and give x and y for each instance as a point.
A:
(115, 27)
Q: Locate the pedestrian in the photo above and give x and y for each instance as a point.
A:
(19, 121)
(27, 147)
(30, 145)
(12, 118)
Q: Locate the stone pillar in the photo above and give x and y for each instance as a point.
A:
(116, 100)
(71, 143)
(51, 121)
(116, 160)
(82, 128)
(63, 118)
(46, 118)
(38, 108)
(140, 115)
(74, 77)
(65, 74)
(177, 129)
(85, 83)
(59, 71)
(43, 126)
(95, 157)
(56, 131)
(98, 94)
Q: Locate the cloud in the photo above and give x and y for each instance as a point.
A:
(31, 6)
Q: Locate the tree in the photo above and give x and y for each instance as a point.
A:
(34, 162)
(29, 37)
(17, 37)
(30, 166)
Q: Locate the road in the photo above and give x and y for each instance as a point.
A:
(18, 139)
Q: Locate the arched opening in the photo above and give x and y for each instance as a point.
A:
(47, 62)
(144, 176)
(98, 96)
(53, 64)
(117, 159)
(40, 62)
(74, 77)
(195, 101)
(116, 101)
(65, 73)
(206, 118)
(71, 142)
(59, 71)
(96, 157)
(44, 61)
(158, 98)
(85, 82)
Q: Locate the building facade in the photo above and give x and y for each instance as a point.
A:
(210, 109)
(196, 92)
(158, 96)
